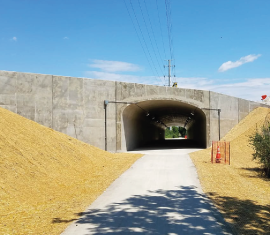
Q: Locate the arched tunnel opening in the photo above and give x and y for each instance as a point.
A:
(145, 124)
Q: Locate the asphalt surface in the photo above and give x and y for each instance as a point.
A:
(159, 194)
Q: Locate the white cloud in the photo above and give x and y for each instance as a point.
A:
(14, 39)
(193, 82)
(114, 66)
(65, 38)
(229, 64)
(250, 89)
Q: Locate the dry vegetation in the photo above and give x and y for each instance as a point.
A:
(46, 176)
(238, 190)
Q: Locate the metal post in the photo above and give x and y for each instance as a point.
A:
(229, 153)
(212, 152)
(169, 72)
(225, 152)
(219, 110)
(106, 102)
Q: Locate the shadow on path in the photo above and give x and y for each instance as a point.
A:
(245, 216)
(180, 211)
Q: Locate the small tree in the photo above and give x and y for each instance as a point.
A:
(168, 133)
(260, 142)
(182, 131)
(175, 131)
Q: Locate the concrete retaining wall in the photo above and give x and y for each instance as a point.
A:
(75, 106)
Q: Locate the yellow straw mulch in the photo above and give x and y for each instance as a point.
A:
(238, 190)
(47, 176)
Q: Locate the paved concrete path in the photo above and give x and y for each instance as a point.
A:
(159, 194)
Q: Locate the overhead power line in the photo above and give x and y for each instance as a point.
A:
(169, 27)
(170, 34)
(149, 19)
(144, 38)
(148, 32)
(161, 30)
(150, 63)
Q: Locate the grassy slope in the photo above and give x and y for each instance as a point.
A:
(238, 191)
(46, 175)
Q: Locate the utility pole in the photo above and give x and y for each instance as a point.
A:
(169, 72)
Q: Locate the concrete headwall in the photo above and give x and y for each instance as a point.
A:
(75, 106)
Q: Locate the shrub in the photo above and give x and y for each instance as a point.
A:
(260, 142)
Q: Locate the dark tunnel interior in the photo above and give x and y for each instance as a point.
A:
(145, 123)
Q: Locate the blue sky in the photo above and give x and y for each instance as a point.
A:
(218, 45)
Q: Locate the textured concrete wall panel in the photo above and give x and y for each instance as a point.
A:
(94, 110)
(9, 100)
(60, 92)
(139, 90)
(34, 97)
(177, 92)
(227, 104)
(8, 89)
(195, 95)
(162, 91)
(207, 120)
(60, 103)
(120, 138)
(94, 94)
(120, 109)
(60, 121)
(26, 106)
(43, 99)
(26, 83)
(214, 101)
(243, 106)
(226, 126)
(152, 91)
(228, 117)
(75, 94)
(97, 136)
(111, 135)
(214, 129)
(124, 90)
(8, 82)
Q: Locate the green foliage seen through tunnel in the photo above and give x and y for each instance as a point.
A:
(175, 132)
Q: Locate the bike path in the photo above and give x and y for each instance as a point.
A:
(159, 194)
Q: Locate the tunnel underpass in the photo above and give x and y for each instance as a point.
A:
(145, 123)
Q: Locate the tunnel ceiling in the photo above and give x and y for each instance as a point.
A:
(171, 113)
